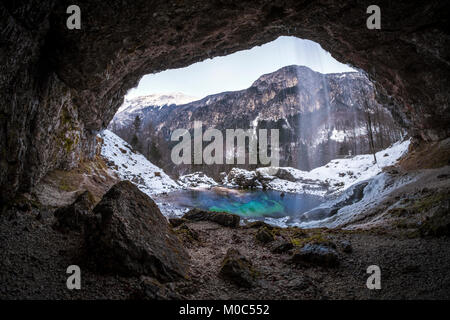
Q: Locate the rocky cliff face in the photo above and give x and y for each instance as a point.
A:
(59, 86)
(319, 117)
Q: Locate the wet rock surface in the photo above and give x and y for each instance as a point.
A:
(129, 235)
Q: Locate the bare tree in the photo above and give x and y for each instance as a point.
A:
(367, 110)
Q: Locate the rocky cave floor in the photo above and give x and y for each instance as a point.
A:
(34, 258)
(408, 238)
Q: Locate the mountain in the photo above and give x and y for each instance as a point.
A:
(319, 116)
(134, 106)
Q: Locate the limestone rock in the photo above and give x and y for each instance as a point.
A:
(129, 235)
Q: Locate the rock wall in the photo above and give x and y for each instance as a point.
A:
(59, 86)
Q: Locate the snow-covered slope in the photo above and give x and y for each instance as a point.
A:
(133, 166)
(336, 176)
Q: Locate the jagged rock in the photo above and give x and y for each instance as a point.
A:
(238, 269)
(223, 218)
(281, 246)
(129, 235)
(312, 254)
(264, 235)
(243, 178)
(73, 216)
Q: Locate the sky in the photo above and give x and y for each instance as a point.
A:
(239, 70)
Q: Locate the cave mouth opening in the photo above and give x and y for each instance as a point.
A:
(284, 83)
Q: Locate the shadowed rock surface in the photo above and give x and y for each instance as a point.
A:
(73, 217)
(60, 86)
(223, 218)
(129, 235)
(316, 254)
(238, 269)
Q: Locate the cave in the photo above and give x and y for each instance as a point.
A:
(60, 87)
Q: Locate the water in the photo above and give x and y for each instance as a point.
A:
(245, 203)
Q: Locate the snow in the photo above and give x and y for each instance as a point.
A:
(160, 100)
(132, 107)
(338, 174)
(131, 165)
(337, 135)
(349, 171)
(378, 188)
(196, 180)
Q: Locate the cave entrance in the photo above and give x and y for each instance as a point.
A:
(321, 108)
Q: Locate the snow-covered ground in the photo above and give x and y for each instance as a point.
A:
(378, 187)
(338, 174)
(133, 166)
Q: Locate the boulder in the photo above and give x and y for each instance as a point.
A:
(128, 235)
(238, 269)
(243, 178)
(73, 216)
(313, 254)
(263, 235)
(285, 174)
(258, 224)
(281, 246)
(223, 218)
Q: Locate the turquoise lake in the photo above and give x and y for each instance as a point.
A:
(245, 203)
